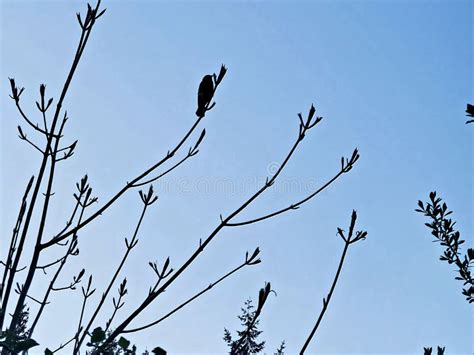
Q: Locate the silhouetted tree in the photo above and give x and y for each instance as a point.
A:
(17, 333)
(281, 349)
(247, 343)
(249, 334)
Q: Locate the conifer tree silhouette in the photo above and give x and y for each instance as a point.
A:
(250, 332)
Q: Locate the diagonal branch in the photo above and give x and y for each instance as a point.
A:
(138, 184)
(133, 183)
(88, 292)
(23, 137)
(130, 245)
(62, 261)
(294, 206)
(360, 235)
(14, 239)
(247, 262)
(138, 179)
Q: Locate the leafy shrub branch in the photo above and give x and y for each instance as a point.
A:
(442, 228)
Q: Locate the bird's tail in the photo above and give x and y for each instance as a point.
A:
(200, 112)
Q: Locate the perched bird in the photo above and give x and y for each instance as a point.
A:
(205, 93)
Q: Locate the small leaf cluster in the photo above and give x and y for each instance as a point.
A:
(122, 346)
(18, 341)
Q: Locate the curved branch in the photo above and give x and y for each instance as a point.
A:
(30, 123)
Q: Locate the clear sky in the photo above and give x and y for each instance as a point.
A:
(389, 77)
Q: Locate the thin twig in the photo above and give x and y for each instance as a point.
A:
(64, 345)
(130, 246)
(34, 126)
(44, 267)
(32, 144)
(197, 295)
(37, 301)
(50, 288)
(347, 241)
(291, 207)
(14, 237)
(86, 294)
(10, 268)
(162, 174)
(117, 304)
(129, 185)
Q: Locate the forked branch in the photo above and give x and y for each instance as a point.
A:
(252, 260)
(350, 239)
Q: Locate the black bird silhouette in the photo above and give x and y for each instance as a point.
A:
(205, 94)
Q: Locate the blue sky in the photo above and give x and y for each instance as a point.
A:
(391, 78)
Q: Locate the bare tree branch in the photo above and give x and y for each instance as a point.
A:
(14, 238)
(248, 262)
(133, 183)
(360, 235)
(295, 206)
(150, 199)
(72, 250)
(86, 294)
(11, 265)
